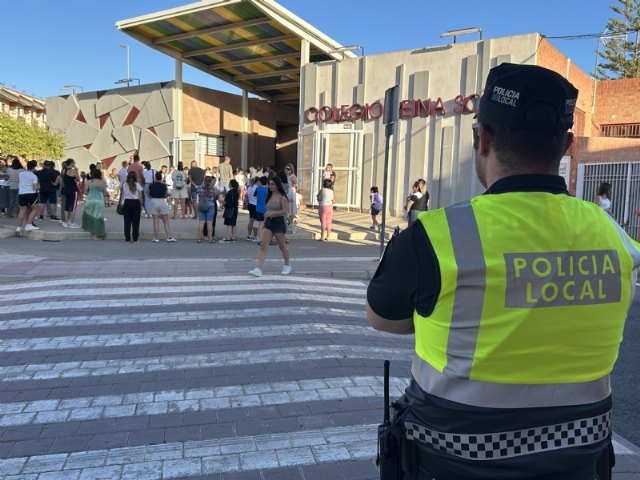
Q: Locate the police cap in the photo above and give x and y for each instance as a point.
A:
(512, 90)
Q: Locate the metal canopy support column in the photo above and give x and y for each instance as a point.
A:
(244, 148)
(176, 107)
(305, 48)
(177, 101)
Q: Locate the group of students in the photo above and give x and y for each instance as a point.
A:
(37, 188)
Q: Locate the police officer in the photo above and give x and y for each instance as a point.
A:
(517, 299)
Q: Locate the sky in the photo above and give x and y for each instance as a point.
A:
(51, 44)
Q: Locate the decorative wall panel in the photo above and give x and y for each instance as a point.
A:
(109, 126)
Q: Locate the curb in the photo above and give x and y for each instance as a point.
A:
(50, 236)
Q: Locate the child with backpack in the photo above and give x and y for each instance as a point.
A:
(180, 190)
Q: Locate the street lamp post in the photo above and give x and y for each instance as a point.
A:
(72, 88)
(462, 31)
(126, 47)
(127, 80)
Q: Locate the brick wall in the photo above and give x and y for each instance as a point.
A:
(602, 150)
(617, 101)
(550, 57)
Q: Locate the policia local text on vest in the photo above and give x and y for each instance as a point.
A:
(517, 299)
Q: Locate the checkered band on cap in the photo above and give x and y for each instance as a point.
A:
(500, 445)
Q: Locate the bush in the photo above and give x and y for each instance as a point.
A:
(16, 137)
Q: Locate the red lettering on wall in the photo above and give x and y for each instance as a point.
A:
(407, 109)
(376, 110)
(459, 101)
(471, 103)
(311, 114)
(424, 109)
(439, 106)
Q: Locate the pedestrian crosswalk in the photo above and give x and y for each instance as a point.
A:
(190, 376)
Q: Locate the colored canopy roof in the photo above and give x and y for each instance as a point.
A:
(252, 44)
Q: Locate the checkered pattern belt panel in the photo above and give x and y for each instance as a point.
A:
(500, 445)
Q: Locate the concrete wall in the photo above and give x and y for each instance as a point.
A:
(435, 147)
(109, 125)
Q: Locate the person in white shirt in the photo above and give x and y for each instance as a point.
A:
(28, 198)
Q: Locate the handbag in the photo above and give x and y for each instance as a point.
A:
(120, 209)
(228, 213)
(203, 203)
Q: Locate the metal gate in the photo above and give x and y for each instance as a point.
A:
(625, 189)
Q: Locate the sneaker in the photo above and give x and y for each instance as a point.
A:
(41, 217)
(74, 225)
(286, 270)
(30, 227)
(54, 218)
(256, 272)
(65, 224)
(249, 238)
(18, 231)
(171, 239)
(155, 240)
(225, 240)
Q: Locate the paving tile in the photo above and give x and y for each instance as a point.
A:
(142, 471)
(188, 467)
(45, 463)
(28, 448)
(322, 472)
(109, 440)
(65, 475)
(12, 466)
(287, 473)
(87, 459)
(258, 460)
(111, 472)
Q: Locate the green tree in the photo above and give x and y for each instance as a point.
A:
(16, 137)
(621, 45)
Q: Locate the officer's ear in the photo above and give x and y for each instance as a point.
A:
(568, 141)
(484, 139)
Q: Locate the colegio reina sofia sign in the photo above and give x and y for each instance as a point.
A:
(406, 109)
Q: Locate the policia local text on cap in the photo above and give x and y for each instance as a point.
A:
(517, 299)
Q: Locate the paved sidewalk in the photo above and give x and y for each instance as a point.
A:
(347, 226)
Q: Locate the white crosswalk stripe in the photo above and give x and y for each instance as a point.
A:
(145, 338)
(194, 400)
(170, 292)
(194, 280)
(155, 364)
(184, 315)
(238, 297)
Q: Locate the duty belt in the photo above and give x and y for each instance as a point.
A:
(514, 443)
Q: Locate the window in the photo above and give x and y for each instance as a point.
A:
(214, 145)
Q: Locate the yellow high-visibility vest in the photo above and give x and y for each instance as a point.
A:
(535, 289)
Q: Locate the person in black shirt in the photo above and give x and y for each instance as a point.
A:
(48, 192)
(418, 201)
(158, 193)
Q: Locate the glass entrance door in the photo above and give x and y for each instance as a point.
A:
(342, 149)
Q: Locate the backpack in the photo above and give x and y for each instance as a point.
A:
(178, 183)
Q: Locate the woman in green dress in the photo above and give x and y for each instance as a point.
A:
(93, 213)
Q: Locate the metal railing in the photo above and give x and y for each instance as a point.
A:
(624, 178)
(631, 130)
